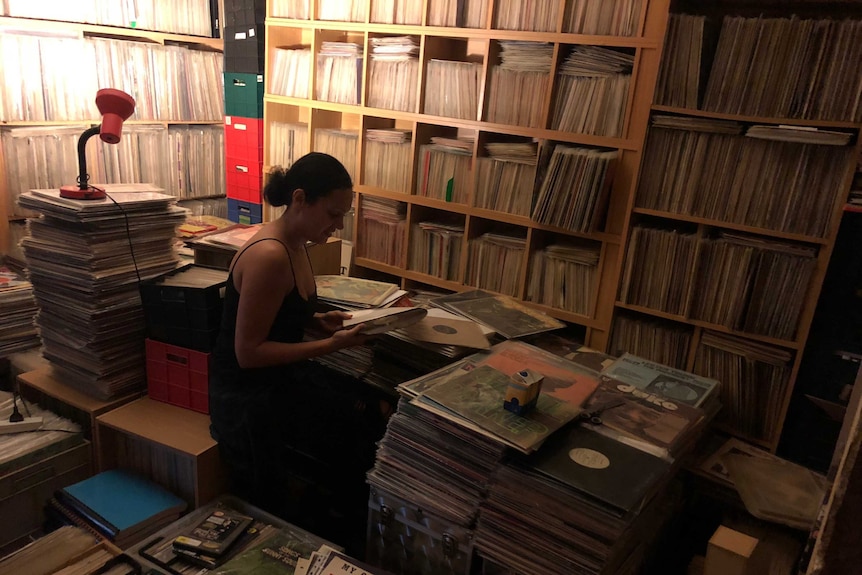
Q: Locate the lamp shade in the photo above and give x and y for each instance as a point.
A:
(115, 106)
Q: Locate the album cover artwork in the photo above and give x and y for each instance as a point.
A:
(503, 314)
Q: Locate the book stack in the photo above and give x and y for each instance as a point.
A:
(579, 481)
(86, 259)
(118, 505)
(450, 433)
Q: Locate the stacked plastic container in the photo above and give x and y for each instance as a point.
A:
(183, 313)
(244, 50)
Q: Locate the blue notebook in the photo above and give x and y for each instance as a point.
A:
(118, 501)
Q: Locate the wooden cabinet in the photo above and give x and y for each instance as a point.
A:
(42, 387)
(168, 444)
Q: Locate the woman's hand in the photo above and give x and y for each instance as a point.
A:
(350, 337)
(331, 321)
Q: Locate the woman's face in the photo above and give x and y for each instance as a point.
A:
(322, 218)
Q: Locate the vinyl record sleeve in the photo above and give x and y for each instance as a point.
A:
(617, 475)
(465, 333)
(382, 320)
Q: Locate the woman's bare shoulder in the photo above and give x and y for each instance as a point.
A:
(264, 259)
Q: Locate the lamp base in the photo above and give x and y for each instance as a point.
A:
(76, 193)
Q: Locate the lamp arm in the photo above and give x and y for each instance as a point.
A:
(83, 176)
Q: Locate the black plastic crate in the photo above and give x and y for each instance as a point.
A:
(244, 12)
(183, 307)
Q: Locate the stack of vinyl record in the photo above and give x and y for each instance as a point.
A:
(17, 310)
(437, 465)
(582, 504)
(86, 259)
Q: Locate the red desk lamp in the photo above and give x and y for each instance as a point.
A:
(115, 106)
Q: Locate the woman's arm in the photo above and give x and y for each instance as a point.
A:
(264, 282)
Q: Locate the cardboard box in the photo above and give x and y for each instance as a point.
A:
(729, 553)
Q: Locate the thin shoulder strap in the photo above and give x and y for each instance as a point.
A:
(310, 266)
(262, 240)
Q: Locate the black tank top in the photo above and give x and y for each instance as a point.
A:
(287, 327)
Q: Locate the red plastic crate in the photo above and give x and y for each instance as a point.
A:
(178, 375)
(244, 180)
(243, 138)
(244, 158)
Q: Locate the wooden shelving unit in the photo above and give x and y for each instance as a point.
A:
(832, 194)
(478, 45)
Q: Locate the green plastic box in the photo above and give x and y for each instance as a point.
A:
(243, 94)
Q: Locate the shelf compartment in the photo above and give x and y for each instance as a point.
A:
(458, 13)
(339, 66)
(342, 10)
(755, 380)
(396, 12)
(393, 78)
(444, 163)
(787, 344)
(659, 267)
(751, 284)
(286, 136)
(289, 61)
(506, 174)
(563, 273)
(518, 86)
(452, 71)
(527, 16)
(387, 152)
(654, 338)
(436, 243)
(496, 256)
(382, 230)
(293, 9)
(718, 173)
(574, 188)
(591, 90)
(337, 134)
(603, 17)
